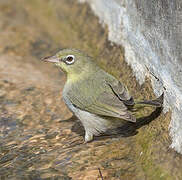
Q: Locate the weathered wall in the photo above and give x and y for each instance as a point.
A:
(151, 34)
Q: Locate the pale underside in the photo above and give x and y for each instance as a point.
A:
(93, 103)
(93, 124)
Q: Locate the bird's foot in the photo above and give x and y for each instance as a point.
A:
(88, 137)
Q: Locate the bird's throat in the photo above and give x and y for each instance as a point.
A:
(73, 77)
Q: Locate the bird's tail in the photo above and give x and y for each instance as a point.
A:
(155, 103)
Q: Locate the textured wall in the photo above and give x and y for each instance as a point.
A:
(151, 33)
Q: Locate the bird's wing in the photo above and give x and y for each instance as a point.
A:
(121, 92)
(109, 99)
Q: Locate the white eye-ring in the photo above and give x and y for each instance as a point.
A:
(70, 59)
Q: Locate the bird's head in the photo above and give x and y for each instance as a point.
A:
(72, 61)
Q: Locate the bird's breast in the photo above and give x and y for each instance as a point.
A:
(66, 99)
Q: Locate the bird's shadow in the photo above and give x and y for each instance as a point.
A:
(127, 130)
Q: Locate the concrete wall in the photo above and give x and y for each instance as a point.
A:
(151, 33)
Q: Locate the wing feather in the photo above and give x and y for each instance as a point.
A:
(109, 99)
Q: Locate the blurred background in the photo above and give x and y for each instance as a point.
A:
(36, 140)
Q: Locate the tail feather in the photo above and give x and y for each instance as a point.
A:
(156, 102)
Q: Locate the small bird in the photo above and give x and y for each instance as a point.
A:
(98, 99)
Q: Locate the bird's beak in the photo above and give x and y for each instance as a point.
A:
(53, 59)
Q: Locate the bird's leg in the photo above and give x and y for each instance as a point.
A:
(88, 136)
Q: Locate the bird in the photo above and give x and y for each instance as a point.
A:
(98, 99)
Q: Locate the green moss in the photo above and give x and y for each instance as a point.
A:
(147, 157)
(154, 171)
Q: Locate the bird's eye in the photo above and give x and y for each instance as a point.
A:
(70, 59)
